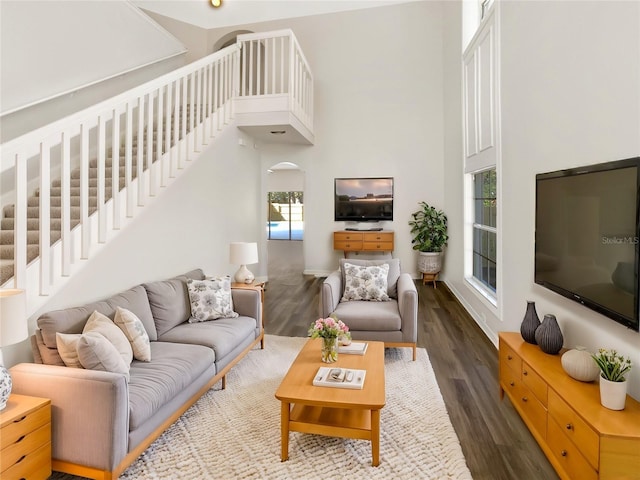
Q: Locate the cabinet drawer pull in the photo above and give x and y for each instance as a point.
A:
(569, 426)
(20, 419)
(509, 357)
(20, 459)
(525, 373)
(348, 245)
(525, 399)
(563, 453)
(20, 439)
(513, 384)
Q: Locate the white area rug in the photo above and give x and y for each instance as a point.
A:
(235, 433)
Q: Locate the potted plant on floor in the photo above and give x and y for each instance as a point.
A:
(429, 231)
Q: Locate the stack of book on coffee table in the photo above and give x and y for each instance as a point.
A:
(340, 378)
(354, 348)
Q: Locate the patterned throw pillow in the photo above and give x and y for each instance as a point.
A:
(134, 330)
(210, 299)
(365, 283)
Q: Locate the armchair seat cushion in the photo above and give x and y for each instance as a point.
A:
(371, 316)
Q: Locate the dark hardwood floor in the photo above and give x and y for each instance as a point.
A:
(495, 441)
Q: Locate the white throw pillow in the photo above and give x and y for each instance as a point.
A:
(96, 352)
(103, 325)
(210, 299)
(134, 330)
(67, 344)
(365, 283)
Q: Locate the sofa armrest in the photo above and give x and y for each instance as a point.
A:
(330, 293)
(89, 411)
(408, 306)
(248, 303)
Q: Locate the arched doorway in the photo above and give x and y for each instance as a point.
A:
(285, 223)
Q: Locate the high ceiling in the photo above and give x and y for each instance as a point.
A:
(237, 12)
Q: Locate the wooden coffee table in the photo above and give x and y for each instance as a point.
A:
(334, 412)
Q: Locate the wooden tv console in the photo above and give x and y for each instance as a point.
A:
(581, 438)
(363, 241)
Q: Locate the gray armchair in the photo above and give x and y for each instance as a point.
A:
(394, 321)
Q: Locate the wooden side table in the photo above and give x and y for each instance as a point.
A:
(25, 438)
(430, 277)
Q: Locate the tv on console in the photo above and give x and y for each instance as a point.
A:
(586, 241)
(363, 199)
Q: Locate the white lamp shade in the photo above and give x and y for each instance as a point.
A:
(243, 253)
(13, 322)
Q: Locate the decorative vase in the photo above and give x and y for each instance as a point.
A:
(549, 336)
(579, 364)
(330, 350)
(613, 395)
(530, 323)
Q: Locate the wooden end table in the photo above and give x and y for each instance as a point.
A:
(334, 412)
(25, 438)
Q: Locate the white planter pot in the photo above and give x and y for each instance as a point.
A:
(613, 395)
(430, 262)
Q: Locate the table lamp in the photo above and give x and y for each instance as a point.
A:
(13, 329)
(243, 254)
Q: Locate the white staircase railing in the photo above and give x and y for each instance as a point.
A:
(150, 133)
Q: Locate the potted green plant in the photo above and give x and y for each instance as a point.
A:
(613, 381)
(429, 231)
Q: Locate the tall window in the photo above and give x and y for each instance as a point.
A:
(484, 228)
(286, 216)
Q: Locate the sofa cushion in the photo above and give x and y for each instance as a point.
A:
(210, 299)
(104, 326)
(222, 336)
(392, 276)
(132, 327)
(96, 352)
(169, 301)
(378, 316)
(173, 368)
(365, 283)
(72, 320)
(68, 348)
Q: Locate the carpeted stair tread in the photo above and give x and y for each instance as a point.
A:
(33, 237)
(33, 224)
(74, 200)
(7, 252)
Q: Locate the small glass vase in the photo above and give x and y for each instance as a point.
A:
(330, 350)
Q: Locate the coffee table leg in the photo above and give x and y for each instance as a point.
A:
(375, 438)
(284, 430)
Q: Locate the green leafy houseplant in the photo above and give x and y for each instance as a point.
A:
(429, 229)
(613, 366)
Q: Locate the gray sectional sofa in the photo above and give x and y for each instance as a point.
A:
(101, 422)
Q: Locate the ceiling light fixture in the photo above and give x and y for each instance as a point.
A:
(216, 3)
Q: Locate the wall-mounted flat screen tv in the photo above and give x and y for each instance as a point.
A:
(586, 241)
(363, 199)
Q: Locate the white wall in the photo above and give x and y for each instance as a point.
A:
(570, 93)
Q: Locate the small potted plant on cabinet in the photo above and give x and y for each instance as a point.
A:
(429, 230)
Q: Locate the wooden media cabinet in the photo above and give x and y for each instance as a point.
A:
(581, 438)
